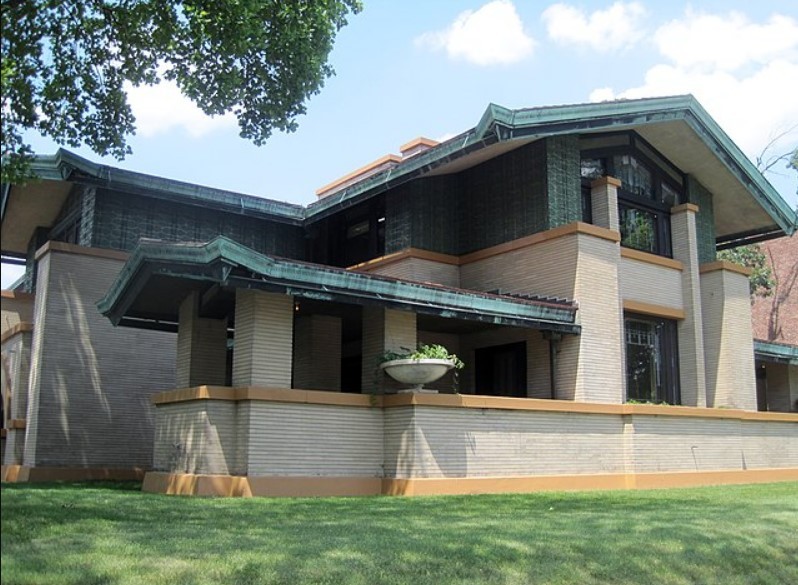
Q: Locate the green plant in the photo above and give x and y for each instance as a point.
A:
(423, 352)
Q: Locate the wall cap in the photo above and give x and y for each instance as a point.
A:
(53, 246)
(724, 265)
(640, 256)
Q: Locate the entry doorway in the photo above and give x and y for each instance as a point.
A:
(500, 370)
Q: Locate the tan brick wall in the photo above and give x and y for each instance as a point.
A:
(315, 439)
(90, 382)
(317, 352)
(302, 438)
(604, 201)
(645, 282)
(201, 347)
(421, 270)
(575, 266)
(384, 330)
(452, 442)
(728, 342)
(264, 326)
(692, 370)
(197, 437)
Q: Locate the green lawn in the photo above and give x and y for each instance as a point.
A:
(91, 534)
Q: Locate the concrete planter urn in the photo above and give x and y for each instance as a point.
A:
(417, 372)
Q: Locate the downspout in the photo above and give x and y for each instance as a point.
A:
(554, 339)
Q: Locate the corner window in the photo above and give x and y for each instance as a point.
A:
(652, 373)
(650, 187)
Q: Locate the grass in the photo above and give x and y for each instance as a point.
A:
(92, 534)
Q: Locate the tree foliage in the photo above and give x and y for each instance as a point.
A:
(761, 281)
(65, 64)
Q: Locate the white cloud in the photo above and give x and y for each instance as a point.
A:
(750, 91)
(605, 30)
(726, 42)
(492, 35)
(160, 108)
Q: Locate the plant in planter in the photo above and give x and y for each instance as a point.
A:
(421, 366)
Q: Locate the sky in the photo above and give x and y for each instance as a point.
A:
(410, 68)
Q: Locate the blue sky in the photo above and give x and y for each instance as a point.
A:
(407, 69)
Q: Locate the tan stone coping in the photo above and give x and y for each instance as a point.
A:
(21, 327)
(17, 295)
(606, 180)
(282, 486)
(404, 254)
(651, 309)
(685, 207)
(388, 158)
(724, 265)
(640, 256)
(455, 401)
(16, 423)
(24, 473)
(52, 246)
(577, 227)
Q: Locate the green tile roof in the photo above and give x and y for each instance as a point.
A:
(229, 264)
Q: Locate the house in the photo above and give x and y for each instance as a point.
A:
(225, 344)
(775, 322)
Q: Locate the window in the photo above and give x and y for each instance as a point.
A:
(651, 360)
(650, 187)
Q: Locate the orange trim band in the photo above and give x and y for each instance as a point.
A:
(632, 254)
(416, 253)
(577, 227)
(456, 401)
(651, 309)
(278, 486)
(21, 327)
(685, 207)
(606, 180)
(52, 246)
(16, 423)
(383, 160)
(724, 265)
(24, 474)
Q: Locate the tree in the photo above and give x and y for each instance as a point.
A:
(65, 64)
(761, 281)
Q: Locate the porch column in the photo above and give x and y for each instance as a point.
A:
(317, 352)
(728, 337)
(264, 330)
(384, 330)
(201, 347)
(604, 201)
(692, 371)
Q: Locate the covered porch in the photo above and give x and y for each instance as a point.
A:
(245, 319)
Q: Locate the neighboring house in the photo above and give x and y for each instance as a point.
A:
(228, 344)
(775, 320)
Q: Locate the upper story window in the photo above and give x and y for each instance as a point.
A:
(650, 187)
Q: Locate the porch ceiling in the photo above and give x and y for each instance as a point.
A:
(158, 276)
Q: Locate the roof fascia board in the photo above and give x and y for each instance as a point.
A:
(741, 167)
(221, 254)
(65, 165)
(776, 352)
(415, 166)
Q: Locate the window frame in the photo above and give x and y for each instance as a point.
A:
(663, 172)
(669, 389)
